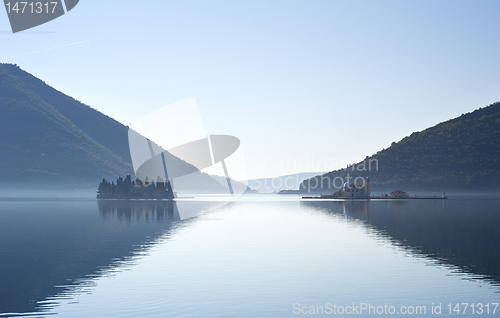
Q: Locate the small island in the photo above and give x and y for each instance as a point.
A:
(362, 191)
(128, 189)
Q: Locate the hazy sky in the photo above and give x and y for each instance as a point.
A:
(306, 85)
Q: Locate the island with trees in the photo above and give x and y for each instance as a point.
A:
(128, 189)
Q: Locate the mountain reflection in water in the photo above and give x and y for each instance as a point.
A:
(463, 233)
(50, 247)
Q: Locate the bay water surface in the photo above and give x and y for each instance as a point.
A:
(255, 256)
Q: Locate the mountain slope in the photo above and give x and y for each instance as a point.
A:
(38, 144)
(51, 140)
(111, 134)
(462, 153)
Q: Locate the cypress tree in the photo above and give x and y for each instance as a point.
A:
(119, 185)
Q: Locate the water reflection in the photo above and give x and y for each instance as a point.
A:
(50, 248)
(126, 210)
(460, 233)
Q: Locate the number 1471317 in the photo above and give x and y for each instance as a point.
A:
(30, 7)
(473, 308)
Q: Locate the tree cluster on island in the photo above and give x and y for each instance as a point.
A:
(126, 188)
(122, 186)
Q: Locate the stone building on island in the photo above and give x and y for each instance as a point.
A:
(354, 190)
(399, 194)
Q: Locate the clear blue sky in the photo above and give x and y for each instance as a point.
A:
(297, 81)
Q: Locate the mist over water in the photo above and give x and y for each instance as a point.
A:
(48, 193)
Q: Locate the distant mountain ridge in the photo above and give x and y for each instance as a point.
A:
(286, 182)
(461, 153)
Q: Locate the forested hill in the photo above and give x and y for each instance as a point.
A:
(462, 153)
(49, 137)
(49, 140)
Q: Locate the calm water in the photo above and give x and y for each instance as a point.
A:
(256, 257)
